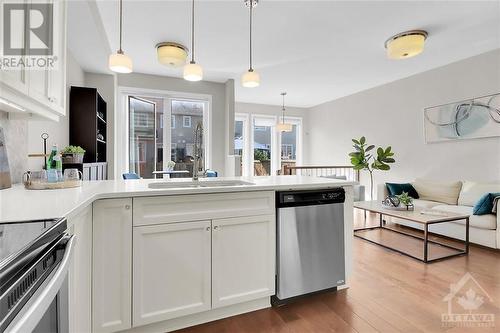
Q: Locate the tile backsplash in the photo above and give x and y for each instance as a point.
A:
(16, 138)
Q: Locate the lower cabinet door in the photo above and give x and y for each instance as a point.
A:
(112, 265)
(243, 259)
(80, 274)
(172, 271)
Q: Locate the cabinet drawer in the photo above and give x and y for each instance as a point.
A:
(171, 209)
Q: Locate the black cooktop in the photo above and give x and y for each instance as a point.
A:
(20, 242)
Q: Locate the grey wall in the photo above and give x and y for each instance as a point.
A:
(392, 114)
(275, 110)
(218, 107)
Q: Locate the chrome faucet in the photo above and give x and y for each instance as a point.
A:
(198, 140)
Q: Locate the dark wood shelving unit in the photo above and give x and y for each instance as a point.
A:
(87, 121)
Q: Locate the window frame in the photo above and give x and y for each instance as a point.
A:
(184, 118)
(121, 144)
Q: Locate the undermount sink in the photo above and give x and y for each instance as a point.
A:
(198, 184)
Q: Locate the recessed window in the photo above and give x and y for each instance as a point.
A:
(172, 122)
(186, 121)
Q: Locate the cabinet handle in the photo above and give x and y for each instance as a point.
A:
(127, 207)
(208, 228)
(216, 228)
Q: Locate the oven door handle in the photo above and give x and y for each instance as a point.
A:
(32, 312)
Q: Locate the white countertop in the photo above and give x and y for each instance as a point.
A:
(19, 204)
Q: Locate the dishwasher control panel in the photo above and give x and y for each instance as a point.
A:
(310, 197)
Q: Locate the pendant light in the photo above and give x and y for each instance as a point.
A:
(283, 127)
(119, 62)
(406, 44)
(251, 78)
(193, 71)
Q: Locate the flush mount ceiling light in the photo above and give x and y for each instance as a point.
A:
(283, 127)
(250, 79)
(172, 54)
(406, 44)
(193, 71)
(119, 62)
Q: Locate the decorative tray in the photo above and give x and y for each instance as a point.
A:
(400, 207)
(393, 202)
(31, 185)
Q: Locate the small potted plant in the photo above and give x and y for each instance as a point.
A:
(72, 154)
(405, 200)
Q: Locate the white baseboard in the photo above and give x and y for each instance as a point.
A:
(202, 317)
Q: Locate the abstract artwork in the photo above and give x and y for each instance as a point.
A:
(468, 119)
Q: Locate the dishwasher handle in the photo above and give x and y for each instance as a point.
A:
(310, 197)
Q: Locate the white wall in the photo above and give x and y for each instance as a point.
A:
(218, 107)
(106, 86)
(392, 114)
(58, 131)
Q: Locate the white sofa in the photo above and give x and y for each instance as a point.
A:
(484, 229)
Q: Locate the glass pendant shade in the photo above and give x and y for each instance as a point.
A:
(171, 54)
(405, 45)
(284, 127)
(250, 79)
(120, 63)
(193, 72)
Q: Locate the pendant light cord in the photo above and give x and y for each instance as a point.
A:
(192, 33)
(121, 24)
(283, 109)
(251, 10)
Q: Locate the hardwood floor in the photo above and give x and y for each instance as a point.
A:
(388, 292)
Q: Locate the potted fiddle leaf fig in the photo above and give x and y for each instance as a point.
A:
(363, 158)
(72, 154)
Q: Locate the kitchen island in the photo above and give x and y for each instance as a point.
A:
(154, 257)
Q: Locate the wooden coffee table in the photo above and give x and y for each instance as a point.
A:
(417, 217)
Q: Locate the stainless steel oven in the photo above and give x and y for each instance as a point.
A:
(36, 256)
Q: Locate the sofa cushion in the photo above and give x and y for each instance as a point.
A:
(425, 204)
(485, 204)
(445, 192)
(397, 189)
(471, 192)
(488, 221)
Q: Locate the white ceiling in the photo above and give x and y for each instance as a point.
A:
(315, 50)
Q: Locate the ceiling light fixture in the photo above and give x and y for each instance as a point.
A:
(251, 78)
(406, 44)
(172, 54)
(119, 62)
(283, 127)
(193, 71)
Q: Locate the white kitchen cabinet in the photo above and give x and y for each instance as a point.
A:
(56, 93)
(39, 91)
(48, 86)
(243, 259)
(112, 265)
(80, 273)
(172, 271)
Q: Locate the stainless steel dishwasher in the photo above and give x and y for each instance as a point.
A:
(310, 242)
